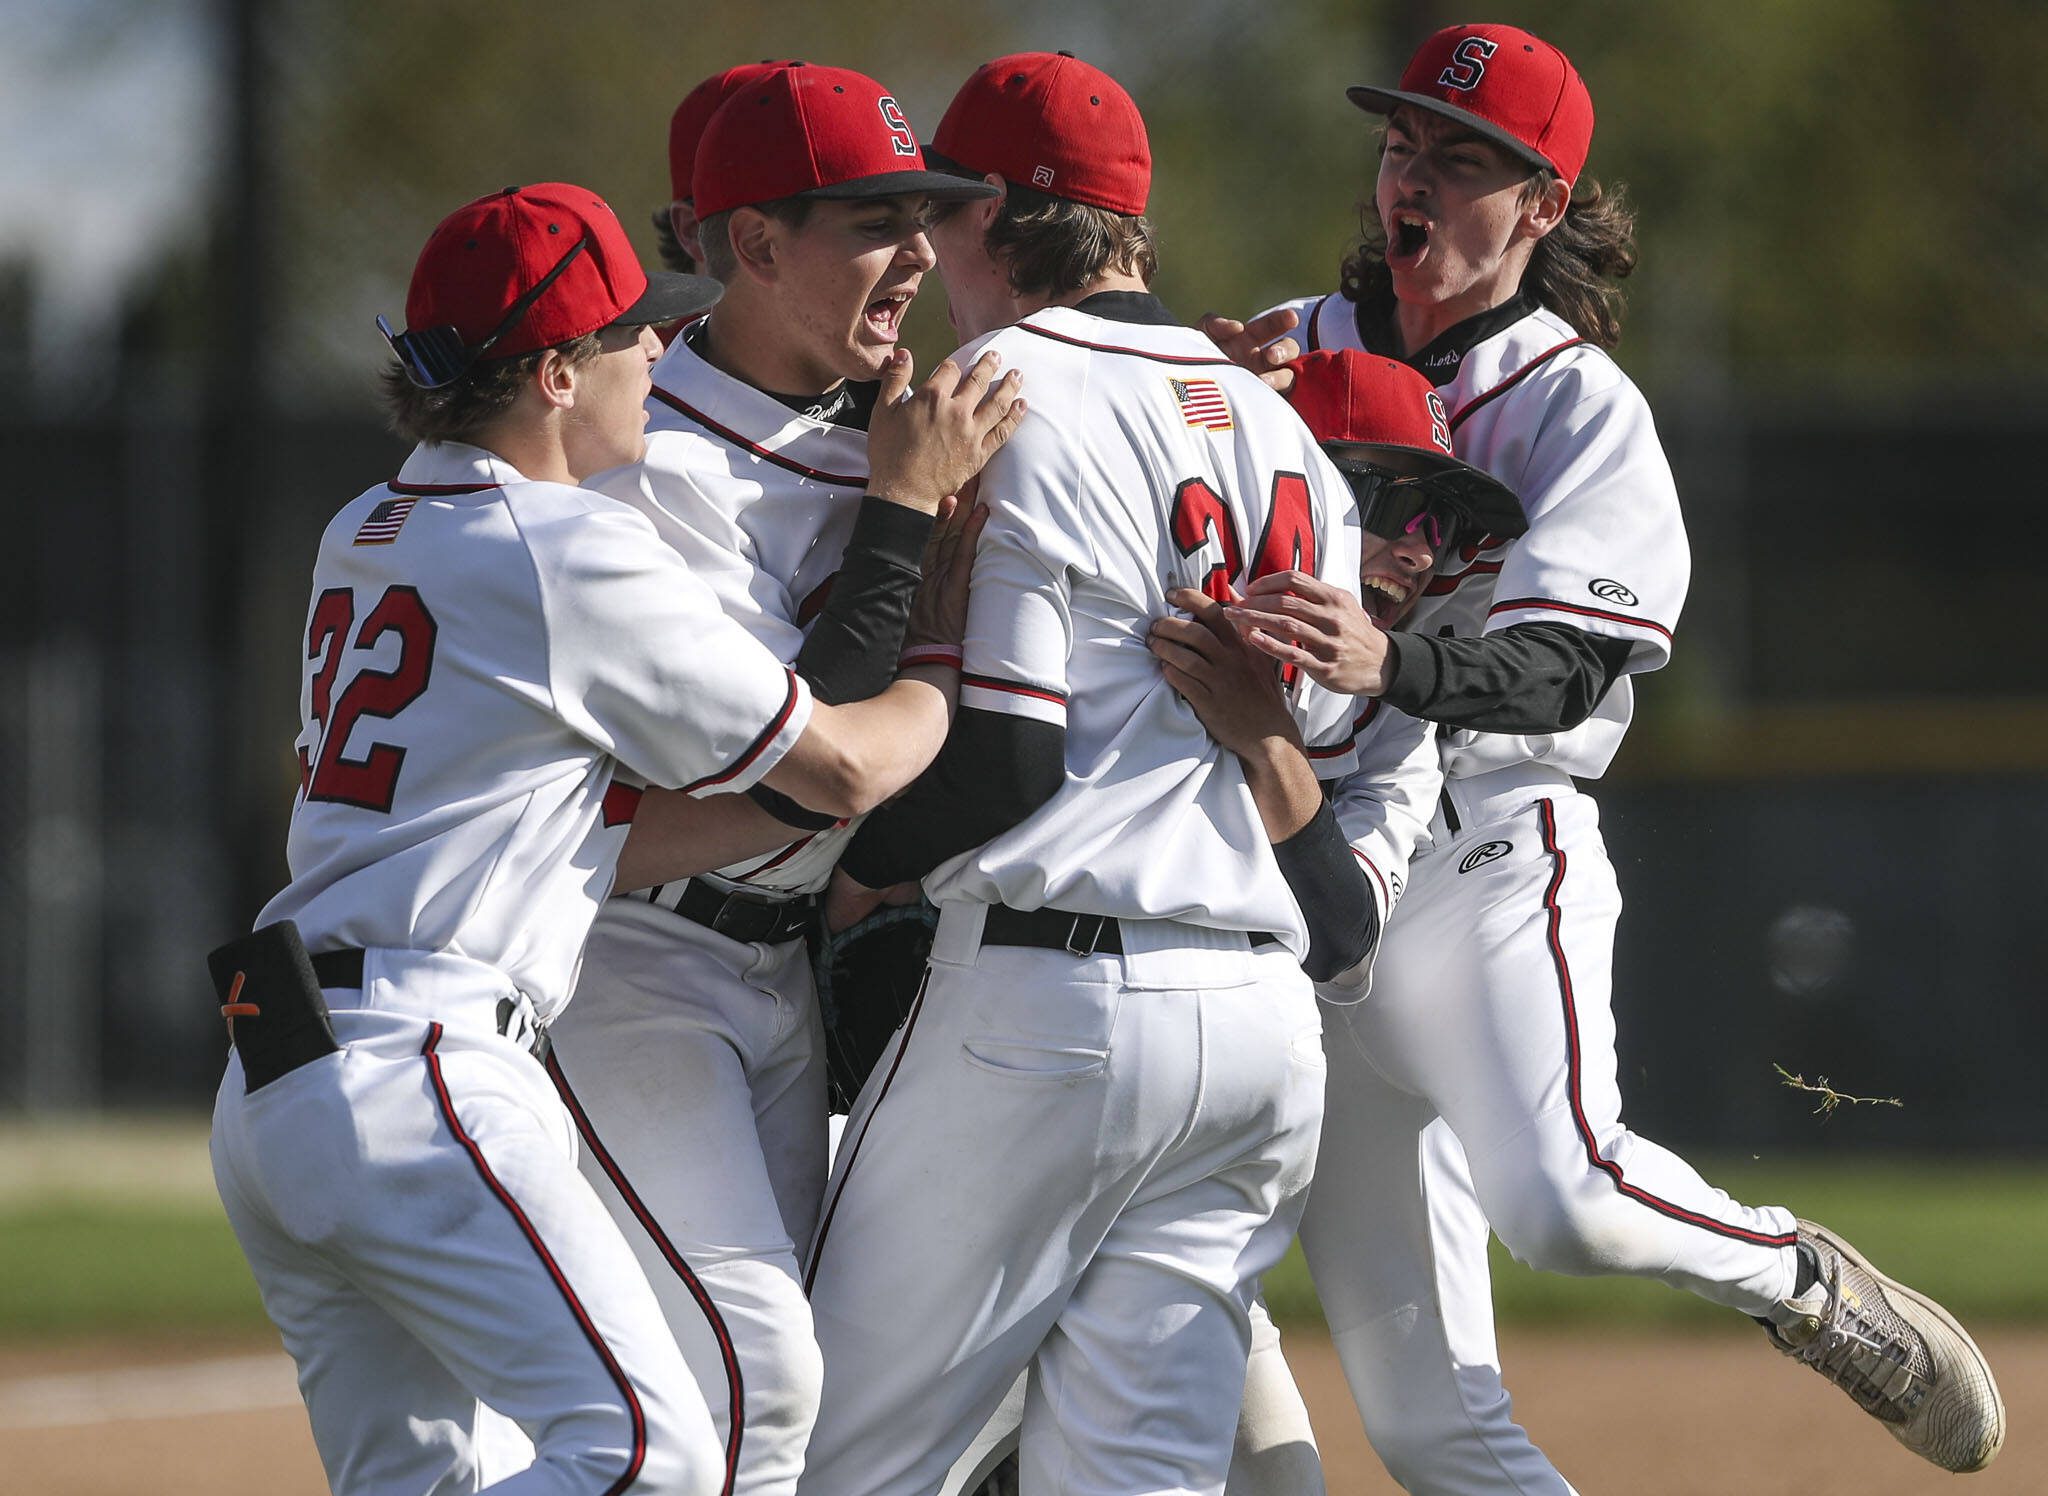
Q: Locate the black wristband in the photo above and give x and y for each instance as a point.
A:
(1327, 882)
(850, 653)
(789, 812)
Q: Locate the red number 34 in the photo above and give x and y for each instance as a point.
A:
(1288, 544)
(371, 781)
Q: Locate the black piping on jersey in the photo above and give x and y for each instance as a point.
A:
(756, 748)
(1013, 688)
(439, 490)
(732, 437)
(1512, 380)
(852, 1155)
(1315, 321)
(678, 1264)
(1546, 820)
(778, 859)
(1546, 605)
(430, 1053)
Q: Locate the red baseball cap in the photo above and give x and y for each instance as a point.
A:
(1513, 88)
(1053, 123)
(528, 268)
(806, 131)
(1363, 408)
(686, 125)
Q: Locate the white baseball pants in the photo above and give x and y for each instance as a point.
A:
(694, 1066)
(1079, 1165)
(1476, 1087)
(411, 1209)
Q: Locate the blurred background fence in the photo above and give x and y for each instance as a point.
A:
(1829, 821)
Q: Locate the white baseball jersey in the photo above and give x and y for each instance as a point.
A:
(1148, 462)
(1554, 418)
(1384, 807)
(760, 501)
(482, 653)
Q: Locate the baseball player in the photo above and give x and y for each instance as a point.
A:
(693, 1058)
(1091, 1134)
(490, 653)
(1477, 1087)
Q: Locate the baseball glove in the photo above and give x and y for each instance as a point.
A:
(868, 976)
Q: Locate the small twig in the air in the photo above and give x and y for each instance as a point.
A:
(1830, 1098)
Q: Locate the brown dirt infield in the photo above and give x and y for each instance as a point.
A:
(1651, 1415)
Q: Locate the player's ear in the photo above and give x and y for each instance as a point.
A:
(682, 218)
(555, 378)
(1543, 209)
(754, 246)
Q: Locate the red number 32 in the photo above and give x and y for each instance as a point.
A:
(369, 782)
(1288, 544)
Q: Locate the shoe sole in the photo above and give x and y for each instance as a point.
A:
(1933, 1310)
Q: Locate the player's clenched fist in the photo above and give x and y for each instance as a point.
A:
(1234, 690)
(924, 444)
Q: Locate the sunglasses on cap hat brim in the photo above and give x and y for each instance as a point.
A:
(1387, 100)
(435, 357)
(1403, 490)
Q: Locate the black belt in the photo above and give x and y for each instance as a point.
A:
(1058, 930)
(339, 968)
(344, 968)
(745, 916)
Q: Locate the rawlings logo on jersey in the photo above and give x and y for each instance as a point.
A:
(1202, 404)
(1610, 591)
(1468, 64)
(1484, 853)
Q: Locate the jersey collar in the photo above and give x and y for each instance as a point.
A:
(1128, 306)
(849, 403)
(1439, 359)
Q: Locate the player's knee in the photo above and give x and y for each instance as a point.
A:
(1576, 1232)
(783, 1390)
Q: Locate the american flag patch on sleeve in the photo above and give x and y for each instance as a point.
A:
(1202, 403)
(381, 528)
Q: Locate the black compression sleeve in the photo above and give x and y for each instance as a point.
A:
(1343, 921)
(852, 649)
(993, 772)
(1529, 677)
(789, 812)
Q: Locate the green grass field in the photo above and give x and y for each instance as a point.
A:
(112, 1227)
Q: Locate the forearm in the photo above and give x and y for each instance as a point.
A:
(676, 836)
(853, 757)
(1283, 785)
(1532, 677)
(850, 653)
(994, 771)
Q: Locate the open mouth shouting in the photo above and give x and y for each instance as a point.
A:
(884, 315)
(1407, 238)
(1385, 598)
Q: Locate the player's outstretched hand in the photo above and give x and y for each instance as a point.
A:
(1233, 689)
(924, 444)
(1251, 345)
(1306, 621)
(938, 614)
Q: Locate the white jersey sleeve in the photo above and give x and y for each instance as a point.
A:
(1384, 807)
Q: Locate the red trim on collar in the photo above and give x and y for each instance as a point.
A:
(1512, 380)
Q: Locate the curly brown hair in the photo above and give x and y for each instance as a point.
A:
(1575, 269)
(458, 412)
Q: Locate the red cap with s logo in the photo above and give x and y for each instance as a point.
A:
(1513, 88)
(807, 131)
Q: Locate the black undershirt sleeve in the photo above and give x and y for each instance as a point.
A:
(852, 649)
(994, 771)
(1529, 677)
(1343, 921)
